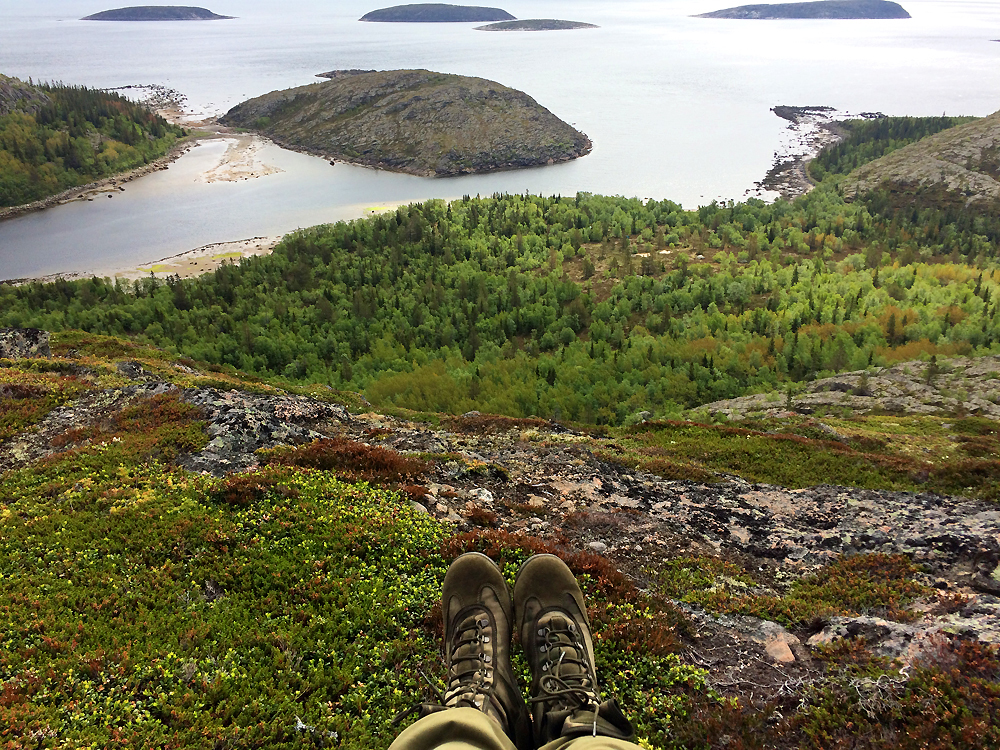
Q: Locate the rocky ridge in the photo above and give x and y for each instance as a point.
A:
(956, 386)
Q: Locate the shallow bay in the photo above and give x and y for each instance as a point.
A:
(677, 107)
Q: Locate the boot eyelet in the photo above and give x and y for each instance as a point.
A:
(543, 648)
(486, 639)
(483, 623)
(545, 667)
(543, 632)
(572, 627)
(487, 658)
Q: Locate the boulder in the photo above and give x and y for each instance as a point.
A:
(20, 343)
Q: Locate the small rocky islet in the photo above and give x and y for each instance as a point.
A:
(818, 9)
(536, 24)
(414, 121)
(156, 13)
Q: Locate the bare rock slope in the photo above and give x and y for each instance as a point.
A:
(416, 121)
(17, 95)
(962, 385)
(959, 166)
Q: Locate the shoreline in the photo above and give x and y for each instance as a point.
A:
(104, 185)
(810, 130)
(184, 265)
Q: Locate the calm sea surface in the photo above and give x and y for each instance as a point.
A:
(677, 107)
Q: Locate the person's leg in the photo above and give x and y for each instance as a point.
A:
(589, 743)
(555, 635)
(455, 729)
(482, 705)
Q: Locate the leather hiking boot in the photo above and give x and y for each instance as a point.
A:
(478, 618)
(555, 634)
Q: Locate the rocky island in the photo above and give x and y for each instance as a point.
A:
(819, 9)
(436, 13)
(415, 121)
(536, 24)
(156, 13)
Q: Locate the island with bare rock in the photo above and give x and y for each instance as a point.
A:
(156, 13)
(536, 24)
(415, 121)
(818, 9)
(436, 13)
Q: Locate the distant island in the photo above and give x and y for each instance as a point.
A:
(156, 13)
(437, 13)
(821, 9)
(535, 24)
(415, 121)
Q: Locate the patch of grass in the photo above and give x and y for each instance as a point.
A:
(138, 613)
(862, 584)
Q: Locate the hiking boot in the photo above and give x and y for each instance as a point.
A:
(555, 635)
(478, 617)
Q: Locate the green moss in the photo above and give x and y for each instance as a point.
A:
(896, 453)
(863, 584)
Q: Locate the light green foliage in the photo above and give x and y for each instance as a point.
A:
(139, 612)
(449, 307)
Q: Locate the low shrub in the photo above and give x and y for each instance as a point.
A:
(351, 460)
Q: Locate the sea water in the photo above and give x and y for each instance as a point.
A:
(677, 107)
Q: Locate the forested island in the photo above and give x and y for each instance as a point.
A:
(156, 13)
(54, 137)
(436, 13)
(414, 121)
(535, 24)
(818, 9)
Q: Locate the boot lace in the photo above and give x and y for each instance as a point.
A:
(470, 676)
(567, 679)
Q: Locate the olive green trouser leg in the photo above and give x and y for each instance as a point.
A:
(469, 729)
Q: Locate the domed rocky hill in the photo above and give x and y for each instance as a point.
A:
(436, 13)
(819, 9)
(156, 13)
(414, 121)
